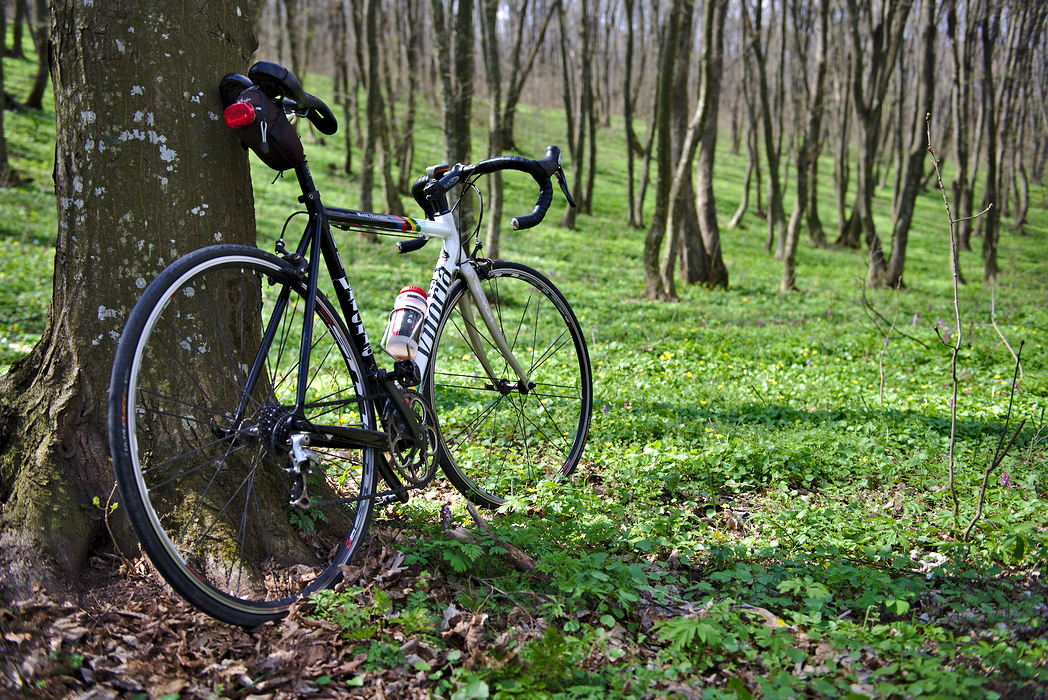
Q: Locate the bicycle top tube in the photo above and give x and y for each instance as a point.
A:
(351, 218)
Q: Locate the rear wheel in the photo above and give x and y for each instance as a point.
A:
(499, 439)
(201, 450)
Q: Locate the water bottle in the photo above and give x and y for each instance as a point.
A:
(405, 323)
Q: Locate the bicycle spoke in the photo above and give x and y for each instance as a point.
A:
(498, 439)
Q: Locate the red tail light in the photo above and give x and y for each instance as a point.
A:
(239, 115)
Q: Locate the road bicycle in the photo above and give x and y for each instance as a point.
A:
(250, 421)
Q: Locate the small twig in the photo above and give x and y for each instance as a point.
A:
(105, 517)
(496, 589)
(999, 453)
(955, 265)
(996, 462)
(520, 559)
(993, 320)
(884, 347)
(868, 307)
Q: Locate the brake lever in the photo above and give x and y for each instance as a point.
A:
(562, 181)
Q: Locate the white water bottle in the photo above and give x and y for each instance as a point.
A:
(405, 323)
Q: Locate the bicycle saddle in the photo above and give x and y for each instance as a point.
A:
(278, 83)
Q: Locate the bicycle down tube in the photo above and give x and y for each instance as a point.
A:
(319, 241)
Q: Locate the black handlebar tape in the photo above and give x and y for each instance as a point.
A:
(411, 245)
(540, 170)
(321, 116)
(418, 188)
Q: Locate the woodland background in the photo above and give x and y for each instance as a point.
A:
(818, 471)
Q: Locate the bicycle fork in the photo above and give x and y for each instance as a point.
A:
(524, 383)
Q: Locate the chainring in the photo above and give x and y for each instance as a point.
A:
(416, 464)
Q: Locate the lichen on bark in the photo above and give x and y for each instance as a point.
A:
(145, 171)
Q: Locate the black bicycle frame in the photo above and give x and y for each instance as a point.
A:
(317, 242)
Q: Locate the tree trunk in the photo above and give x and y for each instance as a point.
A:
(751, 157)
(847, 234)
(41, 34)
(576, 131)
(681, 216)
(342, 82)
(776, 214)
(653, 286)
(17, 51)
(406, 148)
(493, 73)
(5, 168)
(805, 153)
(627, 117)
(961, 187)
(294, 38)
(133, 112)
(716, 270)
(588, 116)
(871, 67)
(991, 230)
(376, 117)
(914, 168)
(520, 72)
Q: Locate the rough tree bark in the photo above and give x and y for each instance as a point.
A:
(913, 170)
(493, 73)
(41, 33)
(653, 287)
(776, 213)
(872, 63)
(715, 269)
(806, 151)
(145, 172)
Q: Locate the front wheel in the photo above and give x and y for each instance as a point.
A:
(498, 438)
(203, 392)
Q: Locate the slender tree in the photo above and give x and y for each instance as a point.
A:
(41, 34)
(520, 70)
(776, 213)
(653, 284)
(872, 63)
(988, 29)
(961, 50)
(713, 69)
(806, 151)
(5, 168)
(918, 149)
(493, 73)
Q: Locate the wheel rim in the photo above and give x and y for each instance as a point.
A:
(217, 507)
(498, 442)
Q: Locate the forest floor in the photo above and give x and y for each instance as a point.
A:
(126, 635)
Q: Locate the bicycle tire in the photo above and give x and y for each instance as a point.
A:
(496, 445)
(211, 501)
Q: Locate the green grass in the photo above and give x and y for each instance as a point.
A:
(750, 451)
